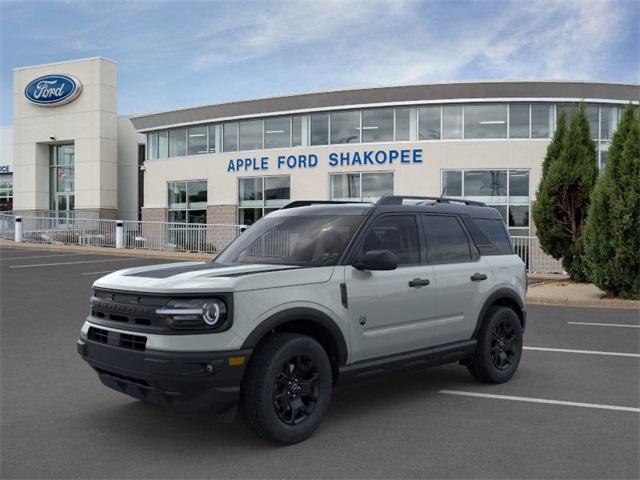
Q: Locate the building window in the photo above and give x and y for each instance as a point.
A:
(519, 120)
(541, 120)
(258, 196)
(345, 127)
(230, 137)
(212, 138)
(403, 124)
(485, 121)
(429, 123)
(377, 125)
(152, 146)
(277, 132)
(452, 121)
(163, 144)
(62, 175)
(6, 192)
(608, 122)
(320, 129)
(296, 131)
(178, 142)
(197, 140)
(507, 191)
(251, 135)
(361, 187)
(188, 201)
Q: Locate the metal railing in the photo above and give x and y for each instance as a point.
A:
(528, 248)
(69, 231)
(181, 237)
(7, 226)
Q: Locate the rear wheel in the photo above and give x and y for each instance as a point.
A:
(287, 388)
(499, 346)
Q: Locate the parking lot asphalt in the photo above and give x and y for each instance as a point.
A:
(571, 411)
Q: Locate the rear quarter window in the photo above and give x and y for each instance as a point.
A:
(495, 231)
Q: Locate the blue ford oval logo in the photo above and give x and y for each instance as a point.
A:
(52, 90)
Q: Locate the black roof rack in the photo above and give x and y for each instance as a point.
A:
(306, 203)
(399, 200)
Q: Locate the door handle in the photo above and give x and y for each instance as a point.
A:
(477, 277)
(418, 282)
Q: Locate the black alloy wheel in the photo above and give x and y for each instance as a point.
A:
(503, 344)
(296, 390)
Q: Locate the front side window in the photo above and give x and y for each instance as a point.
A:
(258, 196)
(377, 125)
(446, 240)
(485, 121)
(251, 135)
(277, 132)
(187, 201)
(306, 241)
(197, 140)
(345, 127)
(429, 123)
(178, 142)
(397, 233)
(361, 187)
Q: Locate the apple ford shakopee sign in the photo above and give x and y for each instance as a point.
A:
(53, 90)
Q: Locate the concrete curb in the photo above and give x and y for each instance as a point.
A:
(126, 252)
(568, 302)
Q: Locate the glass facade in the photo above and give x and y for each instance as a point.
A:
(508, 191)
(384, 124)
(62, 179)
(6, 192)
(360, 187)
(258, 196)
(187, 201)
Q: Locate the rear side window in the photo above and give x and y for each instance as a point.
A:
(495, 231)
(397, 233)
(446, 240)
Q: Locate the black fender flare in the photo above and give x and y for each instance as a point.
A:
(300, 314)
(495, 297)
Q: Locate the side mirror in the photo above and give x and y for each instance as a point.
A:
(377, 260)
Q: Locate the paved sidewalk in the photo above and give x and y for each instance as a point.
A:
(565, 292)
(128, 252)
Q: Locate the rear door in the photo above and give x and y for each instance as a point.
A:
(391, 311)
(461, 276)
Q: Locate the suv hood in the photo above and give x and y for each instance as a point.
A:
(205, 277)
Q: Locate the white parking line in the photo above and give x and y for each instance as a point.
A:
(41, 256)
(97, 273)
(587, 352)
(605, 324)
(72, 263)
(540, 400)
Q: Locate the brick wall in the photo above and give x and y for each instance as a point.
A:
(223, 214)
(154, 214)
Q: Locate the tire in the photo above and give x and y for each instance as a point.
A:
(286, 389)
(499, 347)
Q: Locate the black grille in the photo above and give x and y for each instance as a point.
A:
(122, 340)
(129, 309)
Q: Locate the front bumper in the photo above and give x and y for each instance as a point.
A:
(184, 381)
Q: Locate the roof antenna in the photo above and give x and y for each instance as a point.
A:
(442, 194)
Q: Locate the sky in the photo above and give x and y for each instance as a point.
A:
(176, 54)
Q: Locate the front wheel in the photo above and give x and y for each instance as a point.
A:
(287, 388)
(499, 347)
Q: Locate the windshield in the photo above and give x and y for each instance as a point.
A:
(312, 241)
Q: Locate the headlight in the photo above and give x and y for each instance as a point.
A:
(198, 313)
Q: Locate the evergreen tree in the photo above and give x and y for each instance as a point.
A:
(563, 197)
(612, 233)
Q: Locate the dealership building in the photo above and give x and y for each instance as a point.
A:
(71, 153)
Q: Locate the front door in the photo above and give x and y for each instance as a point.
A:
(391, 311)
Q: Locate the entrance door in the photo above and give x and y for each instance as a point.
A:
(62, 181)
(391, 311)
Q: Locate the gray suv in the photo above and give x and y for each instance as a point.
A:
(312, 295)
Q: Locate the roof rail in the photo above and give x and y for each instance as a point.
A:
(306, 203)
(399, 199)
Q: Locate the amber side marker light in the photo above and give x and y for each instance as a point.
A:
(236, 361)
